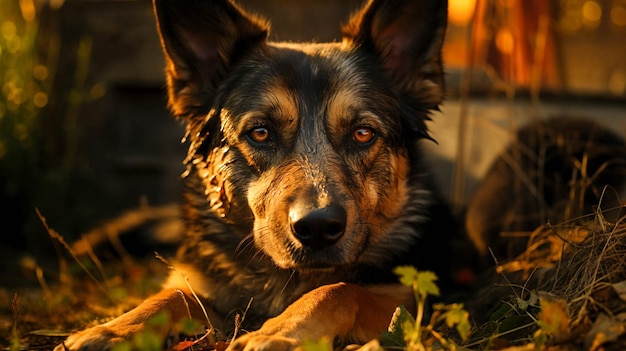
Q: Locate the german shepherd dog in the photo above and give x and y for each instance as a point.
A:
(305, 185)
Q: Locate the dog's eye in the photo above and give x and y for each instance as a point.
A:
(259, 135)
(364, 136)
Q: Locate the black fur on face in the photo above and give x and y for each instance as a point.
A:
(309, 150)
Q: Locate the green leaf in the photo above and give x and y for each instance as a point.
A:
(426, 284)
(455, 316)
(464, 328)
(407, 274)
(521, 304)
(460, 318)
(425, 281)
(455, 313)
(402, 323)
(554, 317)
(501, 313)
(389, 339)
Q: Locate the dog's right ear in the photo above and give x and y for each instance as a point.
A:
(406, 36)
(201, 40)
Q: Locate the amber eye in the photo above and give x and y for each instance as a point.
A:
(259, 135)
(364, 135)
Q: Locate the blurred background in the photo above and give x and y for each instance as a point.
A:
(85, 135)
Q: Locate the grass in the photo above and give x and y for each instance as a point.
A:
(568, 279)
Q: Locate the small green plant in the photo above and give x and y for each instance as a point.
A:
(412, 333)
(553, 321)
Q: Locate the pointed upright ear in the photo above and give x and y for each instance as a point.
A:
(201, 40)
(406, 36)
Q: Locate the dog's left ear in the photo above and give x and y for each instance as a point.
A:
(406, 36)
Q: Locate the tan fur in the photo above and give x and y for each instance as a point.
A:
(355, 313)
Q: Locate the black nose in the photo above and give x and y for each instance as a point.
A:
(321, 227)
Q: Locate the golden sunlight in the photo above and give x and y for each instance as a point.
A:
(460, 12)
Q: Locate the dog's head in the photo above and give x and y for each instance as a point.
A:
(310, 147)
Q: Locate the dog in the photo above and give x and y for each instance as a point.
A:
(305, 182)
(559, 169)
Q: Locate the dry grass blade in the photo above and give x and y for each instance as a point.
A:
(211, 331)
(576, 261)
(56, 236)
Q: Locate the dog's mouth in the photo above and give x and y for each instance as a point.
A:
(328, 259)
(316, 268)
(288, 253)
(311, 266)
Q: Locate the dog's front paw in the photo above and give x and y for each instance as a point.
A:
(257, 341)
(97, 338)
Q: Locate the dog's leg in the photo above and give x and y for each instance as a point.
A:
(344, 311)
(175, 302)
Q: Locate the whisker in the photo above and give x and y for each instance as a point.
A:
(244, 243)
(293, 272)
